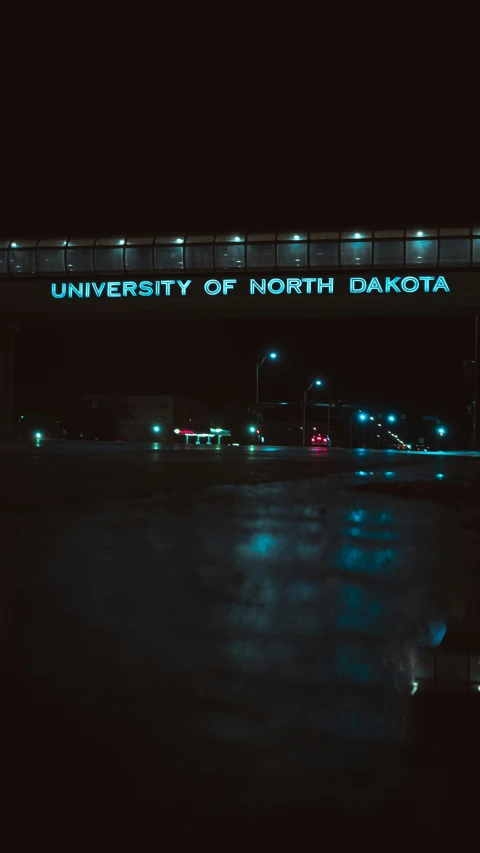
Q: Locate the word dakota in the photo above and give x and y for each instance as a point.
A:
(253, 287)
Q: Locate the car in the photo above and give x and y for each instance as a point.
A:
(321, 440)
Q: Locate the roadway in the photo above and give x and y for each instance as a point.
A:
(233, 630)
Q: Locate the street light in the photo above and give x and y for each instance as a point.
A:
(362, 416)
(391, 418)
(156, 428)
(271, 355)
(252, 429)
(38, 435)
(315, 382)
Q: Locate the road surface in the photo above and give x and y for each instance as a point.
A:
(225, 634)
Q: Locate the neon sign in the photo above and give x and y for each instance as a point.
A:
(256, 287)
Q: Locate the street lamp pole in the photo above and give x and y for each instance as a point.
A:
(304, 419)
(256, 385)
(258, 366)
(475, 386)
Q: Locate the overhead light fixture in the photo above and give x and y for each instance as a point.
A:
(357, 235)
(419, 233)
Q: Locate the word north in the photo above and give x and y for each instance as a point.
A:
(111, 289)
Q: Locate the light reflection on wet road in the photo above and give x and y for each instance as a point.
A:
(234, 633)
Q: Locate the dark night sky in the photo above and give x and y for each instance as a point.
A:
(128, 135)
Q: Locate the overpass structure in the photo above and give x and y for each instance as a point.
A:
(314, 273)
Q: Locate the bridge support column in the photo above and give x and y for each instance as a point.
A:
(7, 350)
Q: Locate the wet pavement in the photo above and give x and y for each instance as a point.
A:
(228, 635)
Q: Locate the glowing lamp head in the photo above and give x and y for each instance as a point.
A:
(318, 381)
(419, 233)
(362, 416)
(252, 429)
(38, 435)
(273, 355)
(156, 428)
(296, 237)
(391, 418)
(357, 235)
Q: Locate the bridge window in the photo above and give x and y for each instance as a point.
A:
(230, 256)
(261, 256)
(292, 254)
(22, 261)
(80, 259)
(109, 259)
(422, 252)
(324, 254)
(356, 253)
(476, 251)
(388, 253)
(199, 257)
(138, 258)
(51, 260)
(455, 252)
(169, 258)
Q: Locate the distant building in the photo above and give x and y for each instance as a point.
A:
(147, 417)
